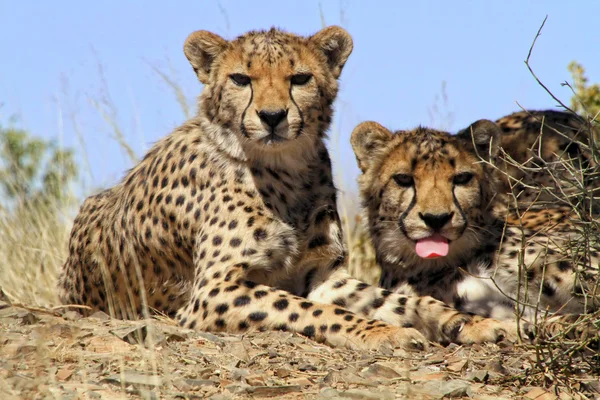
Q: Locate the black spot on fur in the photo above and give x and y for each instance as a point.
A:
(281, 304)
(306, 305)
(548, 290)
(309, 331)
(257, 316)
(221, 308)
(378, 302)
(241, 301)
(260, 234)
(260, 294)
(564, 266)
(339, 302)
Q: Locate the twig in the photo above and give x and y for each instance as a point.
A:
(539, 32)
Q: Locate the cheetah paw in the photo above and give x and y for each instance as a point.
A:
(483, 330)
(390, 337)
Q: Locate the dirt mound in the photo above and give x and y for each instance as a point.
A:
(50, 353)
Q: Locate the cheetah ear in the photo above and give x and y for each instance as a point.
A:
(201, 49)
(484, 137)
(336, 44)
(368, 138)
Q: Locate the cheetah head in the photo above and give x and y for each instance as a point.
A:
(426, 193)
(269, 88)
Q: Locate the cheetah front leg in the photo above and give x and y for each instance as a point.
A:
(434, 319)
(229, 302)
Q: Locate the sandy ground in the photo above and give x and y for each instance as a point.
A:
(60, 355)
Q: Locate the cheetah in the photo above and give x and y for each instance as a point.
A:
(547, 159)
(435, 213)
(230, 222)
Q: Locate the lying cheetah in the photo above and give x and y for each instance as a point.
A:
(230, 222)
(431, 201)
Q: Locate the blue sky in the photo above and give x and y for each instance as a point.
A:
(59, 57)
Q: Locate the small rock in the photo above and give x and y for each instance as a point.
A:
(300, 381)
(13, 312)
(93, 395)
(255, 380)
(18, 351)
(210, 337)
(329, 393)
(478, 376)
(539, 393)
(146, 333)
(200, 382)
(378, 370)
(63, 374)
(239, 373)
(135, 378)
(449, 389)
(489, 397)
(238, 350)
(457, 366)
(367, 394)
(72, 315)
(238, 388)
(496, 366)
(30, 319)
(307, 367)
(453, 389)
(104, 344)
(348, 376)
(220, 397)
(102, 316)
(435, 359)
(181, 385)
(429, 376)
(275, 390)
(145, 394)
(282, 372)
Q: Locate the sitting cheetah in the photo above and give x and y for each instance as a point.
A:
(431, 202)
(230, 222)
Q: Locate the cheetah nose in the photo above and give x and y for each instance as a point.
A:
(272, 118)
(436, 221)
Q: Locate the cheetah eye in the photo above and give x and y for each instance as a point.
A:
(300, 79)
(240, 79)
(404, 180)
(463, 178)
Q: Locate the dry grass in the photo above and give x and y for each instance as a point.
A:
(33, 248)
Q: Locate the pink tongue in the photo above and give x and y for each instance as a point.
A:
(432, 247)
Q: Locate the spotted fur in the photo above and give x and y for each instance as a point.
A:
(491, 265)
(547, 157)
